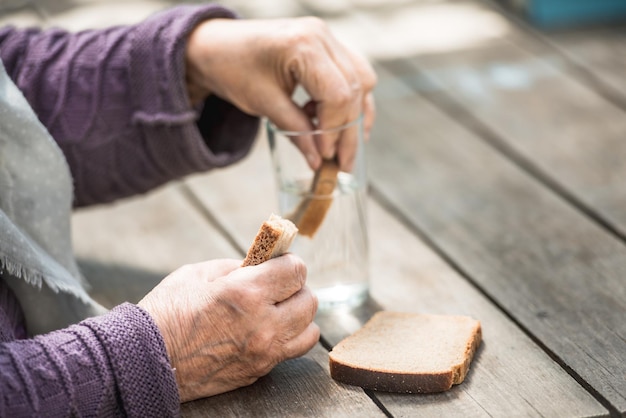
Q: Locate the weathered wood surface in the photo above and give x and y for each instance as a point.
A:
(568, 134)
(239, 197)
(555, 271)
(509, 373)
(134, 243)
(407, 276)
(554, 104)
(297, 388)
(599, 52)
(522, 92)
(595, 54)
(127, 248)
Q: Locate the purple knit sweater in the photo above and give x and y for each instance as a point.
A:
(115, 101)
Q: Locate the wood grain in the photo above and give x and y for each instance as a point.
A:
(557, 273)
(556, 126)
(297, 388)
(510, 373)
(126, 248)
(240, 197)
(601, 52)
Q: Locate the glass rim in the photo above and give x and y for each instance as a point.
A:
(284, 132)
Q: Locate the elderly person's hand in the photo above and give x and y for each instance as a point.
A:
(257, 64)
(225, 326)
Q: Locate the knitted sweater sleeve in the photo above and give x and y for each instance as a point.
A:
(115, 101)
(112, 365)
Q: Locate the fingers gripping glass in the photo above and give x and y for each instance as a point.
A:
(335, 249)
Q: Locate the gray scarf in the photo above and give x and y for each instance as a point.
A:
(36, 257)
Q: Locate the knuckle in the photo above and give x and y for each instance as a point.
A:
(299, 271)
(305, 30)
(264, 366)
(314, 303)
(185, 271)
(262, 341)
(344, 96)
(243, 296)
(307, 34)
(261, 349)
(370, 80)
(308, 305)
(315, 334)
(356, 88)
(186, 268)
(313, 25)
(248, 295)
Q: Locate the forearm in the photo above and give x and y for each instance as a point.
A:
(111, 365)
(116, 101)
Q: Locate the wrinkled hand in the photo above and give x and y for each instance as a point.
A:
(257, 64)
(225, 326)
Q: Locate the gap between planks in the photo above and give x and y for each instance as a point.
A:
(191, 197)
(577, 70)
(464, 117)
(379, 198)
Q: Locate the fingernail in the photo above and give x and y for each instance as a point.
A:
(312, 160)
(330, 154)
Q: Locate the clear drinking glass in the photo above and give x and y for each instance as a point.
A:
(336, 255)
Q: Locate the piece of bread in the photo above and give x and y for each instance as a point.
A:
(407, 353)
(310, 213)
(273, 239)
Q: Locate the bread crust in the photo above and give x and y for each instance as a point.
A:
(310, 213)
(272, 240)
(391, 382)
(348, 364)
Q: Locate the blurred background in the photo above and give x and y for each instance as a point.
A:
(584, 36)
(541, 81)
(382, 29)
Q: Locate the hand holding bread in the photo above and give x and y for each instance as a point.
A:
(225, 325)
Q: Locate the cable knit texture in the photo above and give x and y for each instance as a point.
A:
(116, 103)
(113, 365)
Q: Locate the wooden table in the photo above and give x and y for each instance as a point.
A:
(498, 190)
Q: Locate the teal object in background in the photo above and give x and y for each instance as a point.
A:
(566, 13)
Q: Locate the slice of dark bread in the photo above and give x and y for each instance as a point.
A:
(407, 353)
(273, 239)
(311, 211)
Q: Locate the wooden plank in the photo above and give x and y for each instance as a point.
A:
(126, 248)
(242, 196)
(510, 372)
(297, 388)
(597, 52)
(555, 125)
(600, 52)
(559, 275)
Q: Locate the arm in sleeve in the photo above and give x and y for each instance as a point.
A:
(112, 365)
(115, 101)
